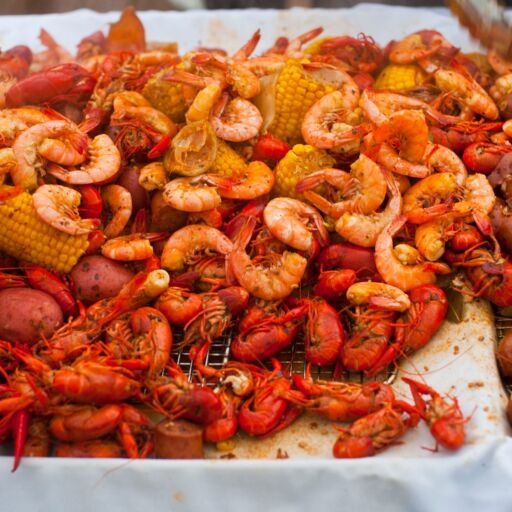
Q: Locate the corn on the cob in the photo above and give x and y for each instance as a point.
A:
(398, 77)
(296, 91)
(300, 161)
(166, 96)
(314, 47)
(23, 235)
(227, 160)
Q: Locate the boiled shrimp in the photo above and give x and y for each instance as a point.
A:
(324, 125)
(25, 149)
(412, 48)
(13, 121)
(381, 295)
(153, 176)
(361, 191)
(256, 180)
(237, 120)
(429, 197)
(208, 95)
(272, 277)
(132, 105)
(291, 221)
(478, 196)
(379, 105)
(410, 129)
(104, 163)
(191, 194)
(362, 229)
(393, 271)
(135, 247)
(183, 245)
(468, 91)
(442, 159)
(119, 201)
(407, 254)
(430, 237)
(58, 206)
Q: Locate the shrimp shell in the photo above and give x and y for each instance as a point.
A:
(287, 219)
(104, 163)
(58, 207)
(184, 243)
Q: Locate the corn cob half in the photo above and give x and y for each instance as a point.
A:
(168, 97)
(300, 161)
(296, 90)
(399, 77)
(23, 235)
(227, 161)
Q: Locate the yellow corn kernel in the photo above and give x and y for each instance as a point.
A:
(227, 160)
(23, 235)
(314, 47)
(166, 96)
(399, 77)
(296, 90)
(300, 161)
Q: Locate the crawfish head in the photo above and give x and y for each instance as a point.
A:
(69, 82)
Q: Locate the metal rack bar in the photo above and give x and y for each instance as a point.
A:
(293, 357)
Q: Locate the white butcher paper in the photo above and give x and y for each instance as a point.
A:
(459, 360)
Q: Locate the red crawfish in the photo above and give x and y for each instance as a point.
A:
(375, 431)
(324, 334)
(267, 411)
(442, 414)
(215, 316)
(72, 423)
(16, 61)
(339, 401)
(140, 340)
(362, 53)
(174, 396)
(264, 332)
(483, 157)
(50, 283)
(72, 339)
(179, 305)
(96, 448)
(85, 381)
(64, 83)
(348, 256)
(489, 274)
(461, 135)
(332, 284)
(416, 326)
(234, 382)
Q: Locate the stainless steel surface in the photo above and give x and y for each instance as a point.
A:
(486, 21)
(292, 358)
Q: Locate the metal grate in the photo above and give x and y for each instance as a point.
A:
(292, 357)
(504, 324)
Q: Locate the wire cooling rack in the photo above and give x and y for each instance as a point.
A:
(504, 324)
(292, 358)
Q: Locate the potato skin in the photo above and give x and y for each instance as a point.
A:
(26, 315)
(96, 277)
(129, 179)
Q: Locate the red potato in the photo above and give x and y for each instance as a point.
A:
(129, 179)
(27, 315)
(96, 277)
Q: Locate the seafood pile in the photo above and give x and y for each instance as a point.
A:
(327, 189)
